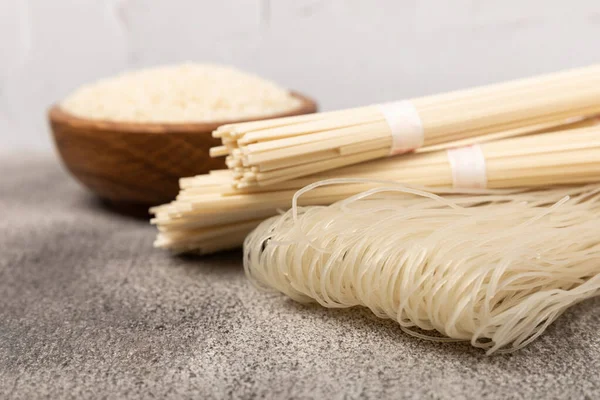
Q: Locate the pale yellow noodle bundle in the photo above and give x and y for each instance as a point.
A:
(209, 215)
(494, 268)
(265, 153)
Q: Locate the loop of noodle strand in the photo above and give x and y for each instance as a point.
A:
(491, 267)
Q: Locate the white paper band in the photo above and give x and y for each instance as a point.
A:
(468, 167)
(406, 126)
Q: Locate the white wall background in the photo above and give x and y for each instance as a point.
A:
(342, 52)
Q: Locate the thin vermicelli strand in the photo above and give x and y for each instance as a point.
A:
(494, 268)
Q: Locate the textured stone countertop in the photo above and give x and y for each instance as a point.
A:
(88, 309)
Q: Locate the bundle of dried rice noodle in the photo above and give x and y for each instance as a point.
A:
(493, 268)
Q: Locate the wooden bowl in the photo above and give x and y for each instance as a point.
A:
(135, 163)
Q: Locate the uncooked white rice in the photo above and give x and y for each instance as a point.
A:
(180, 93)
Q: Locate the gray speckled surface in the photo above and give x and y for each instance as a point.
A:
(89, 310)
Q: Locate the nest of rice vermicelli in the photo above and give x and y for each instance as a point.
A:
(494, 268)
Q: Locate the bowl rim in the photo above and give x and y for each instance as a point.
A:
(57, 115)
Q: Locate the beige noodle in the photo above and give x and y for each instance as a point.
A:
(268, 152)
(491, 267)
(208, 215)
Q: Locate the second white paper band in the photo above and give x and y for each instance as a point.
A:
(468, 167)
